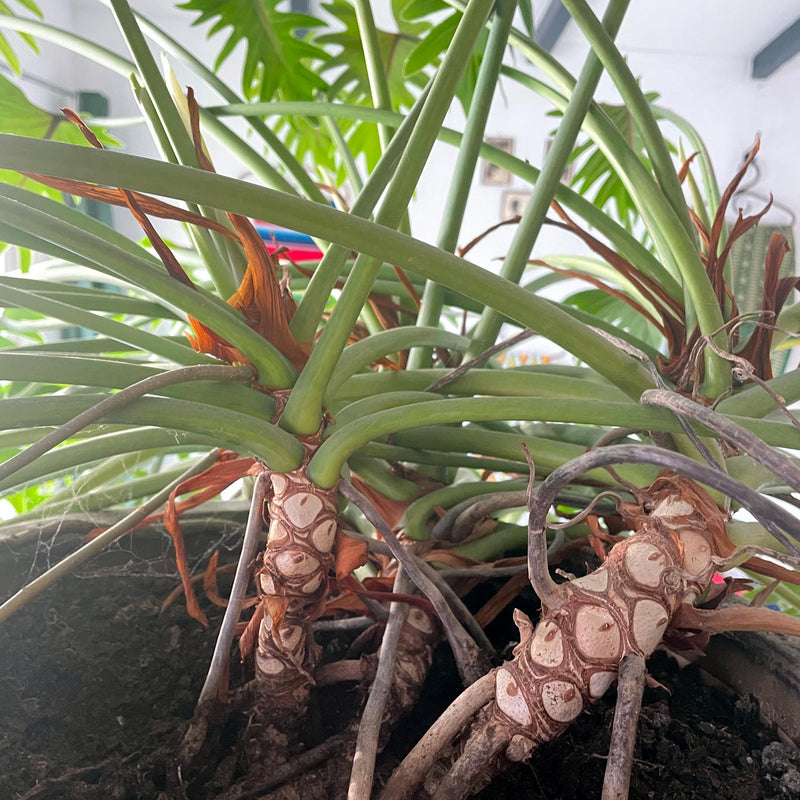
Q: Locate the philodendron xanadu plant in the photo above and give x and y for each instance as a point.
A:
(343, 390)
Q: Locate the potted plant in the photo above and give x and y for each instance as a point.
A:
(347, 396)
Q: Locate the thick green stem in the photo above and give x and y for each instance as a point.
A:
(304, 409)
(151, 119)
(464, 170)
(706, 167)
(498, 542)
(416, 516)
(565, 83)
(507, 382)
(348, 162)
(260, 167)
(439, 460)
(109, 302)
(326, 464)
(597, 124)
(115, 373)
(346, 229)
(273, 142)
(544, 190)
(70, 41)
(756, 401)
(119, 400)
(309, 311)
(650, 202)
(156, 87)
(179, 138)
(376, 74)
(70, 458)
(670, 230)
(683, 236)
(615, 63)
(240, 432)
(129, 334)
(368, 350)
(86, 238)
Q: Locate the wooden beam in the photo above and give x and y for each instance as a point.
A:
(777, 52)
(552, 24)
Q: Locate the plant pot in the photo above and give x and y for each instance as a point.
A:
(765, 666)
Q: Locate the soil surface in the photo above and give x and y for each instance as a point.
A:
(97, 685)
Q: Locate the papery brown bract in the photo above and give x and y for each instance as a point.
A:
(681, 364)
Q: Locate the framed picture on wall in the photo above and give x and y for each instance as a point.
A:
(513, 204)
(493, 175)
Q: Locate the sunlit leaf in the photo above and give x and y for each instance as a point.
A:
(416, 10)
(432, 45)
(20, 117)
(277, 59)
(27, 499)
(6, 50)
(348, 63)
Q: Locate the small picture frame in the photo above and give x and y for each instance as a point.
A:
(513, 204)
(493, 175)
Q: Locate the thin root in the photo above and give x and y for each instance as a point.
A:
(471, 661)
(480, 751)
(428, 750)
(369, 728)
(630, 687)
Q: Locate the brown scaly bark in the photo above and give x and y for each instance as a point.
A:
(293, 579)
(419, 636)
(325, 770)
(571, 657)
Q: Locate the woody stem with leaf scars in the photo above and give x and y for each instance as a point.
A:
(293, 579)
(590, 624)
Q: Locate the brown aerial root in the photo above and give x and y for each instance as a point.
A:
(630, 687)
(589, 625)
(428, 750)
(216, 680)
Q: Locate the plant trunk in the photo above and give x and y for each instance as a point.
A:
(294, 582)
(572, 656)
(418, 638)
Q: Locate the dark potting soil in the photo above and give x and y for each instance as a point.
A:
(97, 685)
